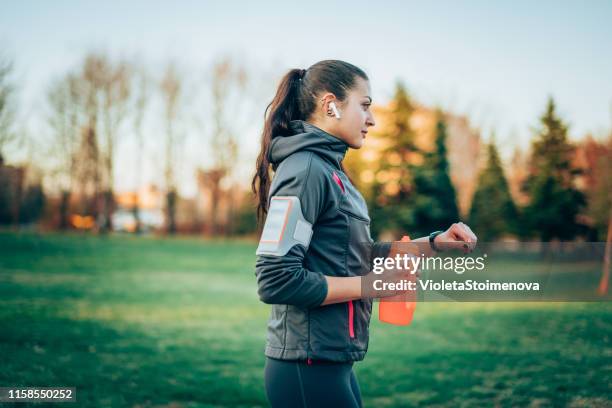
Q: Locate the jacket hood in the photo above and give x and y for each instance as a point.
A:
(308, 137)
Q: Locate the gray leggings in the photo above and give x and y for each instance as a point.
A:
(319, 384)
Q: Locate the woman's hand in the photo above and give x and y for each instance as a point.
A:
(458, 236)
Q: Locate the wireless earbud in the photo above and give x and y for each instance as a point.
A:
(334, 109)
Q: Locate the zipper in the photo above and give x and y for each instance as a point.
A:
(351, 314)
(350, 214)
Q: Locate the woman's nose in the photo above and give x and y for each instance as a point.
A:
(370, 121)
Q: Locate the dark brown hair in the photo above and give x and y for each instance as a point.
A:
(296, 99)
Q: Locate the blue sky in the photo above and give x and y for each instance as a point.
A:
(495, 61)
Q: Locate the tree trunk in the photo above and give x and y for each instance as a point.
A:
(64, 210)
(605, 275)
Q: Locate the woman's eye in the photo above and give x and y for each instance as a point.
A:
(366, 106)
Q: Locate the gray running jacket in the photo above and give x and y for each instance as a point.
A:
(319, 229)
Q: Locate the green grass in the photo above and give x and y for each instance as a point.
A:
(176, 322)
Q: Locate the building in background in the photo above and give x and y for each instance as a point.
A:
(22, 199)
(150, 200)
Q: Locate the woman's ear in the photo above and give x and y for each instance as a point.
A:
(326, 99)
(330, 105)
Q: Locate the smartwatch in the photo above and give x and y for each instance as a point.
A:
(432, 237)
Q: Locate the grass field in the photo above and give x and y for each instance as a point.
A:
(144, 322)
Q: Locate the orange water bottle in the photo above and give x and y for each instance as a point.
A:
(398, 309)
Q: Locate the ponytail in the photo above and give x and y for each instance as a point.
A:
(283, 109)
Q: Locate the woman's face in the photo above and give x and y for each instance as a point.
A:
(355, 114)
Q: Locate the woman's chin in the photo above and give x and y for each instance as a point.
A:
(356, 144)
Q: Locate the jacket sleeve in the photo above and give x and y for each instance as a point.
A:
(379, 249)
(284, 279)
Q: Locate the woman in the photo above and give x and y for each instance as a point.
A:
(308, 255)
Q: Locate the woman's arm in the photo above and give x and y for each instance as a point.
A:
(343, 289)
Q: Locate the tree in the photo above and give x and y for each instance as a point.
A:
(7, 109)
(434, 201)
(493, 212)
(229, 111)
(89, 178)
(11, 178)
(140, 105)
(115, 94)
(102, 90)
(393, 182)
(171, 88)
(88, 171)
(554, 200)
(63, 101)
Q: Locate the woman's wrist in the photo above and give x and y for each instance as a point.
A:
(434, 241)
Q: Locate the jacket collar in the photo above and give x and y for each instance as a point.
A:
(308, 137)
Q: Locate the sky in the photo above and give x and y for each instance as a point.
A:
(496, 62)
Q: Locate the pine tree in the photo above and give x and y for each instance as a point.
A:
(554, 200)
(393, 184)
(493, 212)
(434, 200)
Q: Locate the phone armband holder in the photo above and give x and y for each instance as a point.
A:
(285, 227)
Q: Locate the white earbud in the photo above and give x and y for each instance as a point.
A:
(334, 109)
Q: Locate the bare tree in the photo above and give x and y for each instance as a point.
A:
(7, 111)
(87, 110)
(115, 98)
(63, 99)
(89, 167)
(227, 79)
(171, 89)
(11, 178)
(88, 171)
(140, 106)
(102, 91)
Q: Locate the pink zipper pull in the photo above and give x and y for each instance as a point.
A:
(338, 181)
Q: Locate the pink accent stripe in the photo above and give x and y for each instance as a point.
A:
(350, 316)
(338, 181)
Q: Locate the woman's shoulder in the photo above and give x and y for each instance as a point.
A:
(305, 175)
(304, 165)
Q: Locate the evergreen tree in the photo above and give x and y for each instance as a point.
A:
(493, 212)
(393, 184)
(434, 200)
(554, 200)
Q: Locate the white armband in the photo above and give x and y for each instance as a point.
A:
(285, 227)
